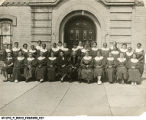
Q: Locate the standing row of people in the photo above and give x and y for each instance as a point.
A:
(82, 62)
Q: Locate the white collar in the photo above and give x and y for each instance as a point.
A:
(32, 51)
(84, 50)
(105, 49)
(80, 47)
(9, 58)
(65, 49)
(123, 50)
(138, 50)
(129, 53)
(41, 58)
(110, 58)
(43, 50)
(16, 49)
(134, 60)
(20, 58)
(52, 58)
(60, 47)
(74, 49)
(115, 52)
(94, 49)
(38, 47)
(98, 58)
(30, 59)
(88, 58)
(55, 49)
(121, 59)
(8, 50)
(25, 50)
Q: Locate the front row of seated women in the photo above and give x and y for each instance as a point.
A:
(87, 68)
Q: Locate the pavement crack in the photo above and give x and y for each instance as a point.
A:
(19, 96)
(108, 100)
(60, 101)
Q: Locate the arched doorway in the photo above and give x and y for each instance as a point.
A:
(79, 28)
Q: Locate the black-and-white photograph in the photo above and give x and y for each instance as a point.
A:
(72, 57)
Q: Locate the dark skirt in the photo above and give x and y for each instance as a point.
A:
(51, 74)
(8, 70)
(98, 72)
(18, 73)
(40, 73)
(110, 73)
(134, 75)
(87, 74)
(29, 73)
(122, 73)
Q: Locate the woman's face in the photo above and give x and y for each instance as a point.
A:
(16, 45)
(54, 45)
(80, 43)
(61, 54)
(52, 54)
(9, 54)
(20, 54)
(30, 55)
(105, 45)
(32, 47)
(98, 54)
(138, 45)
(25, 46)
(94, 44)
(44, 46)
(129, 49)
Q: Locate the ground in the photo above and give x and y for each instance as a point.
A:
(66, 99)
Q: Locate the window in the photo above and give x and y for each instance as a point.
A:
(5, 33)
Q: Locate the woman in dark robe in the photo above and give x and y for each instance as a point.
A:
(33, 51)
(15, 50)
(41, 68)
(62, 65)
(73, 66)
(51, 67)
(133, 70)
(115, 52)
(124, 49)
(7, 51)
(110, 68)
(25, 50)
(105, 50)
(99, 64)
(30, 66)
(129, 54)
(94, 50)
(66, 51)
(140, 55)
(122, 72)
(55, 50)
(44, 50)
(8, 67)
(18, 70)
(86, 68)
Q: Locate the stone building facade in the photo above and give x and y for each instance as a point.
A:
(28, 21)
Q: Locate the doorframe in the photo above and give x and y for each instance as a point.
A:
(80, 13)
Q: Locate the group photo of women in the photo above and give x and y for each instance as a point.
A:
(84, 62)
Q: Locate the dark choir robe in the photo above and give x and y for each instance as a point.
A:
(93, 52)
(77, 52)
(129, 55)
(66, 53)
(29, 70)
(41, 68)
(86, 67)
(15, 52)
(18, 69)
(123, 51)
(133, 71)
(99, 64)
(141, 57)
(8, 65)
(5, 53)
(62, 64)
(105, 52)
(45, 52)
(25, 52)
(73, 66)
(55, 51)
(51, 68)
(122, 72)
(33, 52)
(115, 54)
(110, 69)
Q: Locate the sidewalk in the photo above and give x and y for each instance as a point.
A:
(55, 99)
